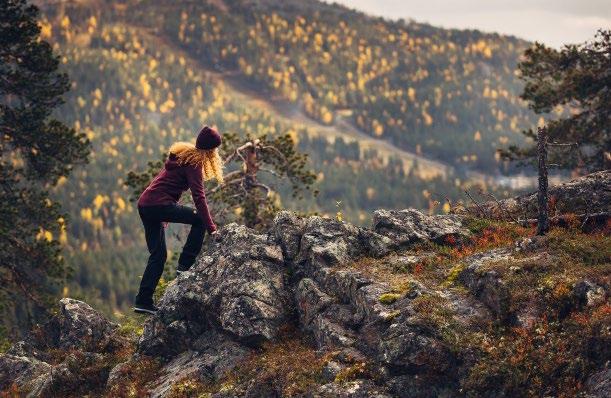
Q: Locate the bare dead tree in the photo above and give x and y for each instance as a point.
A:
(542, 196)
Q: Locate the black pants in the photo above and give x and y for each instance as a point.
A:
(152, 219)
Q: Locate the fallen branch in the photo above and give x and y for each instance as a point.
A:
(567, 217)
(562, 144)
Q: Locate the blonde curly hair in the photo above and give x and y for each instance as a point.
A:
(210, 160)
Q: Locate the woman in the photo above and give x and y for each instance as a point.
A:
(186, 168)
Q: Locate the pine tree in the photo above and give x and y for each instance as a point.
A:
(35, 151)
(578, 77)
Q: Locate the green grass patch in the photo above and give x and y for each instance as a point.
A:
(131, 325)
(389, 298)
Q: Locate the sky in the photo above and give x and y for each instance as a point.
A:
(553, 22)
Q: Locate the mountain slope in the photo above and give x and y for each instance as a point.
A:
(290, 114)
(452, 94)
(449, 94)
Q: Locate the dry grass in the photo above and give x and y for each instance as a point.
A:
(567, 341)
(290, 366)
(554, 357)
(388, 270)
(549, 272)
(134, 378)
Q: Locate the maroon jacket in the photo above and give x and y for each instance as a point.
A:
(167, 188)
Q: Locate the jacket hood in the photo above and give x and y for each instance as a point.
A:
(172, 162)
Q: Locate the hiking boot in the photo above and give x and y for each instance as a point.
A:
(182, 268)
(146, 309)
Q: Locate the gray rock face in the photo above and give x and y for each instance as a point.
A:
(405, 227)
(214, 355)
(288, 230)
(327, 243)
(76, 327)
(238, 288)
(82, 327)
(487, 286)
(599, 384)
(27, 374)
(311, 301)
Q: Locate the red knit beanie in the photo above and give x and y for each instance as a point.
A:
(208, 138)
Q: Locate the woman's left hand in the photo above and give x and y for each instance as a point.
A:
(215, 235)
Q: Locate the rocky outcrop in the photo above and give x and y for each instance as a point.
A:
(249, 285)
(380, 338)
(343, 308)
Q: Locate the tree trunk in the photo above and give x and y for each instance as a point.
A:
(542, 200)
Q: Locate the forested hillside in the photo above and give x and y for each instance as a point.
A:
(145, 75)
(450, 94)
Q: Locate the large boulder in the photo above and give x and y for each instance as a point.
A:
(238, 288)
(487, 285)
(211, 358)
(22, 373)
(82, 327)
(76, 327)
